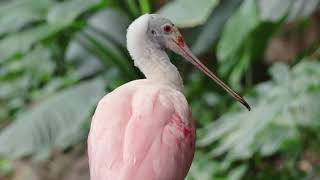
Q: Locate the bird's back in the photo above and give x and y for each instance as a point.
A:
(141, 130)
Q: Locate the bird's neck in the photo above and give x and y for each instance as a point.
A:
(154, 63)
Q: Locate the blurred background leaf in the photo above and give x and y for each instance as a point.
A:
(210, 31)
(53, 123)
(184, 13)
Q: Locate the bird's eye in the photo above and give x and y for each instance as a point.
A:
(167, 28)
(153, 32)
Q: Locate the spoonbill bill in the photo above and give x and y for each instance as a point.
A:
(143, 130)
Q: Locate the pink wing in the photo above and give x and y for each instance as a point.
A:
(137, 133)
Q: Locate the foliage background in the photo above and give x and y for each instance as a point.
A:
(59, 57)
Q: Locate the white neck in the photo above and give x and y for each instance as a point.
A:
(152, 61)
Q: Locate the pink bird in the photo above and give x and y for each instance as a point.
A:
(144, 129)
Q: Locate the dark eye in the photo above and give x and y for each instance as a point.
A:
(167, 28)
(153, 32)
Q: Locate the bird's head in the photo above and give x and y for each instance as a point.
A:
(165, 35)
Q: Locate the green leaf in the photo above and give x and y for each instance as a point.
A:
(14, 87)
(66, 12)
(144, 6)
(86, 64)
(274, 10)
(240, 67)
(6, 166)
(272, 138)
(37, 65)
(244, 21)
(108, 43)
(184, 13)
(102, 20)
(302, 9)
(54, 123)
(108, 52)
(237, 173)
(280, 73)
(272, 125)
(22, 42)
(99, 43)
(133, 7)
(16, 14)
(20, 76)
(210, 32)
(222, 128)
(203, 168)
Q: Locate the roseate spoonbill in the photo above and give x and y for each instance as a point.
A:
(144, 129)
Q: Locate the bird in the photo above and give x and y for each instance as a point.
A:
(144, 129)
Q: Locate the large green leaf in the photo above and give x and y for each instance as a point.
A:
(210, 31)
(236, 51)
(17, 14)
(274, 10)
(21, 74)
(185, 13)
(109, 52)
(243, 22)
(61, 15)
(290, 101)
(84, 53)
(100, 43)
(203, 168)
(103, 42)
(38, 64)
(54, 123)
(303, 8)
(145, 6)
(21, 42)
(86, 64)
(66, 12)
(112, 24)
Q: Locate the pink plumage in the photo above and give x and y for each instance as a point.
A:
(138, 133)
(144, 129)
